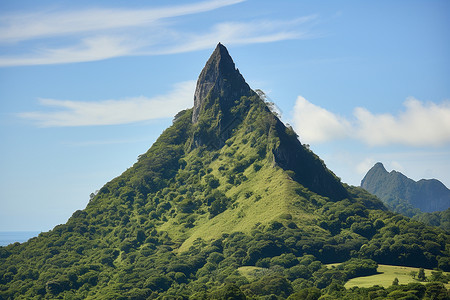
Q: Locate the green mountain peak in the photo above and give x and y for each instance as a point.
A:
(226, 204)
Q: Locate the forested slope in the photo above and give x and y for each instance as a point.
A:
(227, 185)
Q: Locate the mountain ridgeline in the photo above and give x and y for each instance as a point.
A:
(395, 189)
(226, 188)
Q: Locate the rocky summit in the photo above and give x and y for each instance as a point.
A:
(219, 82)
(397, 190)
(226, 204)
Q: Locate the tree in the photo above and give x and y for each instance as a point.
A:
(436, 290)
(308, 293)
(395, 282)
(229, 291)
(438, 276)
(413, 274)
(421, 275)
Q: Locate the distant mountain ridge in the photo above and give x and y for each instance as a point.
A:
(395, 189)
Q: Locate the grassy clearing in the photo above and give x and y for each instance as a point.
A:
(385, 277)
(251, 272)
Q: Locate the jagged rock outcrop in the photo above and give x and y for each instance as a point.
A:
(428, 195)
(219, 82)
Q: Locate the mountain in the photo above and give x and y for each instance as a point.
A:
(226, 204)
(405, 195)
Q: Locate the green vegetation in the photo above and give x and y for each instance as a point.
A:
(438, 218)
(204, 222)
(386, 274)
(224, 208)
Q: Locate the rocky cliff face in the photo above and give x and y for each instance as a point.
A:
(428, 195)
(308, 168)
(219, 82)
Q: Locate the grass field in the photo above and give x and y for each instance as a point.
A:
(251, 272)
(386, 275)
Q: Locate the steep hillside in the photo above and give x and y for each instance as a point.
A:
(227, 185)
(405, 195)
(438, 218)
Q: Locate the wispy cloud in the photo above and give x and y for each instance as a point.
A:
(419, 124)
(55, 37)
(240, 33)
(42, 24)
(89, 49)
(111, 112)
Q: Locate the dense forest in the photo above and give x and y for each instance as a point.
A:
(438, 218)
(234, 190)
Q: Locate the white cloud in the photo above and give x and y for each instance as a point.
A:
(419, 124)
(110, 112)
(55, 37)
(25, 26)
(316, 124)
(240, 33)
(90, 49)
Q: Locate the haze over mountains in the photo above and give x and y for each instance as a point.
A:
(227, 188)
(428, 195)
(426, 200)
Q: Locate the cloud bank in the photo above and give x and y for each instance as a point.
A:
(419, 124)
(55, 37)
(112, 112)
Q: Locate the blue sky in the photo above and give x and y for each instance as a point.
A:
(87, 86)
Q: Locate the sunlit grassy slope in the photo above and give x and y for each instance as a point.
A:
(266, 194)
(386, 275)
